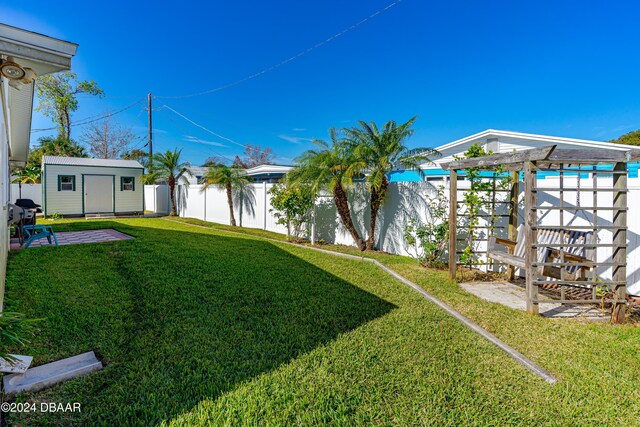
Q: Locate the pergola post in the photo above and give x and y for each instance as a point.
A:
(531, 252)
(619, 256)
(453, 217)
(512, 232)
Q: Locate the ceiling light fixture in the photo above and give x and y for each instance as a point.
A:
(12, 71)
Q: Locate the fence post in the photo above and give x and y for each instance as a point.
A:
(453, 217)
(264, 219)
(530, 236)
(619, 254)
(313, 224)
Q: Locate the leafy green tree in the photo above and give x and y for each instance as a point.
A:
(382, 151)
(168, 166)
(55, 146)
(28, 175)
(631, 138)
(292, 205)
(139, 155)
(228, 178)
(331, 167)
(58, 97)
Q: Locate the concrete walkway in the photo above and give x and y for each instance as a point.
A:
(513, 296)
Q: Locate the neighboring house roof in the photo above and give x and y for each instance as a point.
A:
(43, 55)
(515, 141)
(269, 169)
(197, 170)
(81, 161)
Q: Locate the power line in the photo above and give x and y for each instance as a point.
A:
(194, 137)
(204, 128)
(92, 119)
(286, 61)
(136, 119)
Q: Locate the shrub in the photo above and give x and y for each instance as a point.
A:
(15, 331)
(429, 241)
(292, 205)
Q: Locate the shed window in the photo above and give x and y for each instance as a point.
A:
(127, 183)
(66, 183)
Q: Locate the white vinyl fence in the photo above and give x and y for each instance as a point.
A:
(252, 209)
(405, 201)
(27, 191)
(156, 199)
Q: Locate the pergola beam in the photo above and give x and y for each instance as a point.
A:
(589, 156)
(502, 159)
(545, 158)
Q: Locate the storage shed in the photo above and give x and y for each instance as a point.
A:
(74, 186)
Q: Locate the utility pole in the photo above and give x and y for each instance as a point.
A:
(150, 143)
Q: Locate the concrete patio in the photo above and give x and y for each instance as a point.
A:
(513, 296)
(77, 238)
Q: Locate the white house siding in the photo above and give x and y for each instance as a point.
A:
(4, 180)
(71, 202)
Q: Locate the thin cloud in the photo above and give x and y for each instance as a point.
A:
(145, 129)
(191, 138)
(616, 131)
(298, 129)
(294, 139)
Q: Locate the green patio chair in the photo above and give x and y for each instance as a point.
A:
(37, 232)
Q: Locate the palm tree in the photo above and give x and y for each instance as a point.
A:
(27, 175)
(228, 178)
(331, 167)
(169, 166)
(382, 152)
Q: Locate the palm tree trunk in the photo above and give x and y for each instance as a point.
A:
(377, 197)
(342, 205)
(230, 201)
(172, 195)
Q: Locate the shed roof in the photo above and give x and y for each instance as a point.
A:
(82, 161)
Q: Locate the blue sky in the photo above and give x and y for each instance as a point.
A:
(558, 67)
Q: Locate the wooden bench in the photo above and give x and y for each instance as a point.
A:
(549, 252)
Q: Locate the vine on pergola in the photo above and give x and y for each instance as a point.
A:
(480, 197)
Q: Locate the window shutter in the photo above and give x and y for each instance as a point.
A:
(133, 183)
(59, 183)
(121, 183)
(73, 180)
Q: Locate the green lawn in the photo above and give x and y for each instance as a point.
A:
(200, 326)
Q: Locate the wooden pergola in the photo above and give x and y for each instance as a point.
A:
(555, 253)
